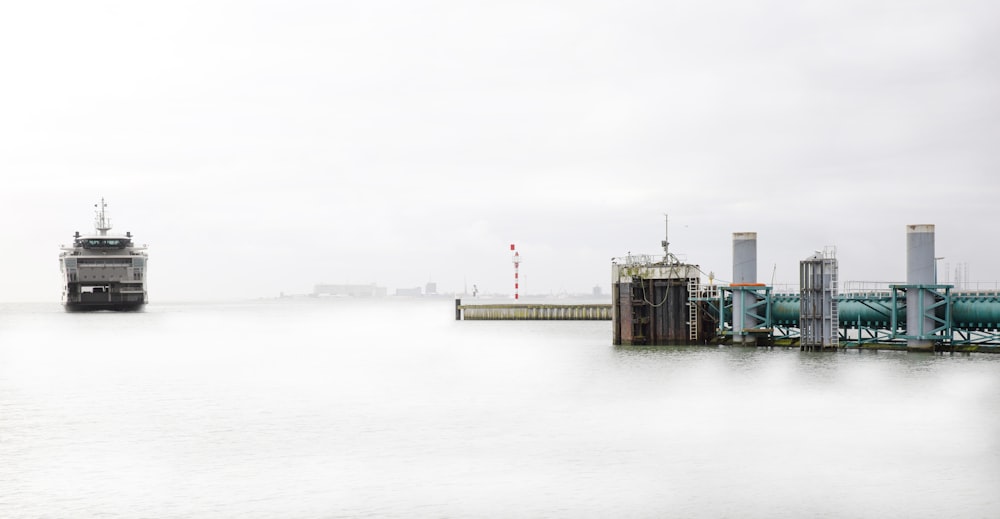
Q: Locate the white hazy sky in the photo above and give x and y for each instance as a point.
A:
(263, 147)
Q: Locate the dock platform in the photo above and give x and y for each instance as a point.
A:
(532, 312)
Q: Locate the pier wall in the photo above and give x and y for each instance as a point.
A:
(532, 312)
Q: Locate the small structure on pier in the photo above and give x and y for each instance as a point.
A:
(652, 302)
(655, 302)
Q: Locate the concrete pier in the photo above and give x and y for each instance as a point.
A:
(532, 312)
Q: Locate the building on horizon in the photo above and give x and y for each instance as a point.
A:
(369, 290)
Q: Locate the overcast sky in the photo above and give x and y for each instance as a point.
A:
(264, 147)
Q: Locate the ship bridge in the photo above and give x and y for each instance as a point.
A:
(103, 243)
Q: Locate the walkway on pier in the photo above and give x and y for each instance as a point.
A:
(533, 312)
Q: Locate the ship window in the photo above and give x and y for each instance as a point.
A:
(104, 243)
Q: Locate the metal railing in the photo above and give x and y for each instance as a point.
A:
(868, 288)
(990, 287)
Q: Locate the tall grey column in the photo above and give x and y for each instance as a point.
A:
(744, 272)
(919, 271)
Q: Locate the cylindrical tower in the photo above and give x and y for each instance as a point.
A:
(919, 271)
(744, 273)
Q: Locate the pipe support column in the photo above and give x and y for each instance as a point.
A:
(744, 272)
(919, 271)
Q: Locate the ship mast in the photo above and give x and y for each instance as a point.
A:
(101, 222)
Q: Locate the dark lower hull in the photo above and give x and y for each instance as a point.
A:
(105, 305)
(103, 295)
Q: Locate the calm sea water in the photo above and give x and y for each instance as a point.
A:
(317, 409)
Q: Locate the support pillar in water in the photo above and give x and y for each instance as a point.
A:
(744, 273)
(919, 271)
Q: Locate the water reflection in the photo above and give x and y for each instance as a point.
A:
(397, 410)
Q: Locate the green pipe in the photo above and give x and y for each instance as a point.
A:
(973, 312)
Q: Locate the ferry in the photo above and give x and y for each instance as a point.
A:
(103, 271)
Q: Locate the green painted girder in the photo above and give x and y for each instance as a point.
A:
(785, 332)
(874, 336)
(760, 309)
(941, 299)
(974, 337)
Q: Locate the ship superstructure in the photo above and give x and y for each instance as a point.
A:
(103, 271)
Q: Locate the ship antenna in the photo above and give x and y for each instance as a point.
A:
(665, 243)
(101, 222)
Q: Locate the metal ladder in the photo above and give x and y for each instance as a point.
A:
(834, 311)
(694, 290)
